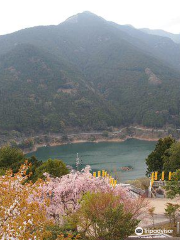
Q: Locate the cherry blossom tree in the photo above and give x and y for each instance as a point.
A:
(65, 193)
(27, 209)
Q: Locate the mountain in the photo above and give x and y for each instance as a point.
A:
(162, 33)
(74, 35)
(41, 93)
(87, 73)
(157, 46)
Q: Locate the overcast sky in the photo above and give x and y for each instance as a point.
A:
(154, 14)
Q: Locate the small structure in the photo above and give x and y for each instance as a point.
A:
(78, 162)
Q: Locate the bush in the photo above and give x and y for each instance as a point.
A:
(142, 183)
(56, 168)
(11, 157)
(103, 217)
(2, 172)
(171, 212)
(62, 233)
(105, 134)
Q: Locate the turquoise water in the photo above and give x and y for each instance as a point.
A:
(104, 155)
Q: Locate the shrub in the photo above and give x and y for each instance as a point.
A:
(142, 183)
(172, 211)
(56, 168)
(105, 134)
(102, 216)
(11, 157)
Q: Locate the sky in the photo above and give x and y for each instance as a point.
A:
(153, 14)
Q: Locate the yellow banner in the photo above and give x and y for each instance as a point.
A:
(156, 176)
(162, 176)
(170, 173)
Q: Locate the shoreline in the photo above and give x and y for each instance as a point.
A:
(37, 146)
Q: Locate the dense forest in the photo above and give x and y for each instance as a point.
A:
(87, 73)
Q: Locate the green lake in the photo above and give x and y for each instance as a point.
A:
(110, 156)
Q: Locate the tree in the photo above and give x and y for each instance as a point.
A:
(155, 160)
(172, 212)
(11, 157)
(34, 163)
(21, 218)
(105, 134)
(172, 158)
(173, 187)
(65, 194)
(103, 216)
(56, 168)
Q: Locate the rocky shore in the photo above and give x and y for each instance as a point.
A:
(119, 135)
(32, 143)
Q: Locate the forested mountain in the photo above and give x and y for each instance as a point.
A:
(87, 73)
(39, 92)
(162, 33)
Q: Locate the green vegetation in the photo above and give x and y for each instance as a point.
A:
(173, 186)
(104, 78)
(155, 161)
(13, 158)
(172, 158)
(55, 168)
(105, 134)
(111, 221)
(40, 93)
(66, 231)
(142, 183)
(172, 211)
(166, 157)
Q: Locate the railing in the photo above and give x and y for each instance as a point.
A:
(138, 191)
(159, 183)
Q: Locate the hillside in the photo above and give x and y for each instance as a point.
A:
(73, 38)
(87, 73)
(40, 93)
(159, 32)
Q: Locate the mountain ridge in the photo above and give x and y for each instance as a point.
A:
(89, 74)
(162, 33)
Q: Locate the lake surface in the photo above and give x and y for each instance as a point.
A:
(110, 156)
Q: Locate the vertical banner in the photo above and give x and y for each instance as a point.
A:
(156, 176)
(170, 173)
(152, 176)
(162, 176)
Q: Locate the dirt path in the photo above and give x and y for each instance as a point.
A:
(160, 205)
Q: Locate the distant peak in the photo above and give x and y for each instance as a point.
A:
(88, 13)
(84, 16)
(129, 25)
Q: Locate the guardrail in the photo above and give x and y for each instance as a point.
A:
(138, 191)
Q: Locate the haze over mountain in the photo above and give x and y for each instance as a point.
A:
(162, 33)
(87, 73)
